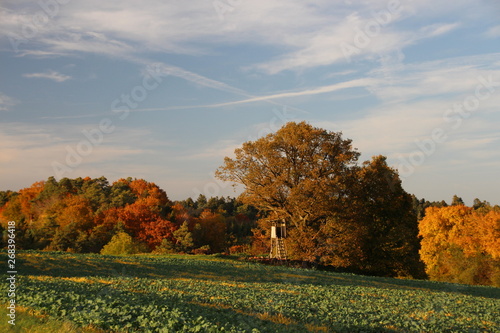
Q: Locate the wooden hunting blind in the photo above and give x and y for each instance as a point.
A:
(278, 235)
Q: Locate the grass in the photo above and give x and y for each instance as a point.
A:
(63, 292)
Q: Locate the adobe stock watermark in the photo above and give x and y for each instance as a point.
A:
(11, 272)
(214, 187)
(222, 7)
(372, 28)
(30, 29)
(121, 107)
(454, 116)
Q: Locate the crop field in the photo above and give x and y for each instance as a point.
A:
(176, 293)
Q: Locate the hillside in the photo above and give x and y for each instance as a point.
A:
(214, 293)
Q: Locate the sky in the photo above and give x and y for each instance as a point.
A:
(164, 90)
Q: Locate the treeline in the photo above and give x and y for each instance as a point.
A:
(456, 243)
(84, 214)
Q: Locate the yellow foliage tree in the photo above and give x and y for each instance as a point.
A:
(75, 209)
(461, 245)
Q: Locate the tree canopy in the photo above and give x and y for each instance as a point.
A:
(462, 244)
(337, 211)
(84, 214)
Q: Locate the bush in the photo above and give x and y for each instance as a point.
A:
(166, 247)
(239, 249)
(123, 243)
(205, 249)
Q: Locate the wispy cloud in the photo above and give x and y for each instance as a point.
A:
(50, 75)
(313, 91)
(6, 102)
(414, 102)
(493, 32)
(307, 36)
(359, 83)
(339, 43)
(431, 79)
(165, 69)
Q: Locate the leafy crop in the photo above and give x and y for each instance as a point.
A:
(213, 294)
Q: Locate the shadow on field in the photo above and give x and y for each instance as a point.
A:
(216, 268)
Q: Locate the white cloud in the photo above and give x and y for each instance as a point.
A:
(306, 33)
(389, 130)
(493, 32)
(351, 38)
(437, 29)
(407, 98)
(180, 27)
(473, 143)
(6, 102)
(41, 54)
(307, 92)
(414, 101)
(165, 69)
(50, 75)
(452, 76)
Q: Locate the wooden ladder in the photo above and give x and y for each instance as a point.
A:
(281, 249)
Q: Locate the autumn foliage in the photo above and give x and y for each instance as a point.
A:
(339, 212)
(84, 215)
(461, 244)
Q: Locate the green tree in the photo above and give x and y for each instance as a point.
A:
(97, 192)
(122, 244)
(101, 235)
(457, 201)
(481, 205)
(44, 231)
(201, 202)
(5, 196)
(211, 231)
(166, 247)
(390, 244)
(184, 238)
(121, 194)
(70, 238)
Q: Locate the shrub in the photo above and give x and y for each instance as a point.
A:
(166, 247)
(239, 249)
(205, 249)
(123, 243)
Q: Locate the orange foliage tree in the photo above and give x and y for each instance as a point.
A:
(154, 232)
(148, 192)
(75, 209)
(143, 218)
(26, 198)
(337, 212)
(460, 244)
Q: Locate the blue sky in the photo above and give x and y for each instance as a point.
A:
(163, 90)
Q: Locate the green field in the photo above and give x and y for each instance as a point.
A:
(178, 293)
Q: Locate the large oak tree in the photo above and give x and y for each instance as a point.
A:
(337, 211)
(300, 173)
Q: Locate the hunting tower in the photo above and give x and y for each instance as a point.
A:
(278, 235)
